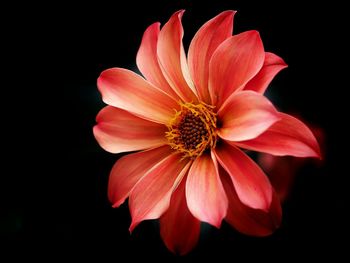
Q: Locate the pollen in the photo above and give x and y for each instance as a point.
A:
(192, 130)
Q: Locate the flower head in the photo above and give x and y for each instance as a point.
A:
(188, 118)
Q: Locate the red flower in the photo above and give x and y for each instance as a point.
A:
(189, 117)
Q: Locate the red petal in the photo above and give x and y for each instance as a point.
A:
(126, 90)
(120, 131)
(205, 194)
(236, 61)
(129, 169)
(179, 229)
(289, 136)
(147, 60)
(151, 196)
(250, 221)
(246, 115)
(252, 186)
(202, 47)
(272, 65)
(172, 58)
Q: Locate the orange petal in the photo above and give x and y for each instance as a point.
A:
(205, 194)
(179, 229)
(254, 222)
(119, 131)
(147, 60)
(246, 115)
(251, 184)
(172, 58)
(129, 169)
(151, 196)
(272, 65)
(289, 136)
(126, 90)
(202, 47)
(237, 60)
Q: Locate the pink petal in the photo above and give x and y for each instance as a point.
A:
(237, 60)
(147, 60)
(254, 222)
(205, 194)
(272, 65)
(179, 229)
(251, 184)
(246, 115)
(126, 90)
(202, 47)
(172, 58)
(151, 196)
(129, 169)
(119, 131)
(289, 136)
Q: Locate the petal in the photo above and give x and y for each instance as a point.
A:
(126, 90)
(129, 169)
(205, 194)
(272, 65)
(251, 184)
(281, 171)
(236, 61)
(289, 136)
(151, 196)
(179, 229)
(147, 60)
(246, 115)
(202, 47)
(120, 131)
(254, 222)
(172, 58)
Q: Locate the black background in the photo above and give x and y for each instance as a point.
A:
(54, 179)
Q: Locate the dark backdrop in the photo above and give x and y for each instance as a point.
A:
(55, 175)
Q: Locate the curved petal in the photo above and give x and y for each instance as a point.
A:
(246, 115)
(202, 47)
(119, 131)
(205, 194)
(250, 221)
(289, 136)
(179, 229)
(251, 184)
(237, 60)
(129, 169)
(147, 60)
(151, 196)
(126, 90)
(172, 58)
(272, 65)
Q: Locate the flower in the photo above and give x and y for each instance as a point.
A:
(188, 119)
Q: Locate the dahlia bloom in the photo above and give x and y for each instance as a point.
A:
(188, 118)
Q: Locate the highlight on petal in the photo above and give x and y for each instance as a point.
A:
(272, 65)
(202, 47)
(249, 221)
(179, 229)
(129, 169)
(236, 61)
(172, 58)
(205, 194)
(147, 60)
(126, 90)
(120, 131)
(246, 115)
(289, 136)
(150, 197)
(251, 184)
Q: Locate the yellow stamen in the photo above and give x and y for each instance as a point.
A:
(192, 130)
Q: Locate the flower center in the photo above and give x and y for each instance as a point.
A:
(193, 129)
